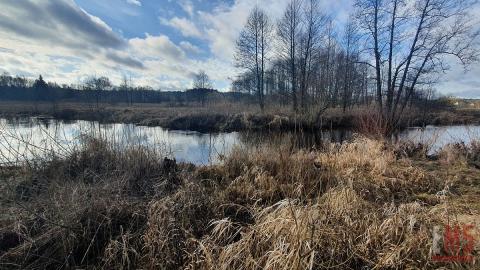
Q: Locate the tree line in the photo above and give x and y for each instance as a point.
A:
(387, 53)
(97, 90)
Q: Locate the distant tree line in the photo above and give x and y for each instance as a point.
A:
(97, 90)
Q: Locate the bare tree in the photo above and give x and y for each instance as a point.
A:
(350, 47)
(326, 60)
(318, 65)
(252, 48)
(127, 86)
(97, 85)
(412, 41)
(288, 32)
(313, 21)
(202, 81)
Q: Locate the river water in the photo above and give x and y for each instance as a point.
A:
(32, 138)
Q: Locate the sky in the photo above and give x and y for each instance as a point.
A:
(160, 43)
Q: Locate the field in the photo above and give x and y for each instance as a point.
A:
(367, 204)
(227, 116)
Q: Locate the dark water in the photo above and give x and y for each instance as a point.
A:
(35, 138)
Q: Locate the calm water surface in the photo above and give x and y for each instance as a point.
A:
(36, 138)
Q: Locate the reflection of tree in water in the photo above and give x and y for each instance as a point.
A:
(10, 121)
(44, 122)
(23, 122)
(128, 134)
(30, 139)
(295, 140)
(211, 146)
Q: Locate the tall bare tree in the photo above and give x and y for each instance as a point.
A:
(127, 86)
(313, 21)
(288, 32)
(327, 60)
(252, 48)
(350, 47)
(412, 41)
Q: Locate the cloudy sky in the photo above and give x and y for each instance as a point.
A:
(160, 43)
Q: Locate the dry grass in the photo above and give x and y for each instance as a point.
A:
(339, 231)
(461, 155)
(348, 206)
(360, 205)
(234, 116)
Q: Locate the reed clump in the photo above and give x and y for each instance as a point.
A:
(410, 149)
(88, 208)
(348, 206)
(461, 154)
(339, 230)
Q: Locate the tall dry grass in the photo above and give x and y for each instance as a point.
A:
(350, 206)
(83, 209)
(346, 207)
(339, 230)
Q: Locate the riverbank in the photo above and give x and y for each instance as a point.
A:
(223, 117)
(365, 204)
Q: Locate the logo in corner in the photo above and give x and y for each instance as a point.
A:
(454, 244)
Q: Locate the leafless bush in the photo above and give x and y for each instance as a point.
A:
(373, 124)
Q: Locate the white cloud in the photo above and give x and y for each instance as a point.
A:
(189, 47)
(185, 26)
(458, 81)
(187, 6)
(156, 47)
(59, 40)
(135, 2)
(224, 24)
(44, 21)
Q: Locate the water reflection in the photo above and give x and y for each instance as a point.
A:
(31, 138)
(439, 136)
(309, 140)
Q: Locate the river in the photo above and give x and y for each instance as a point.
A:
(31, 138)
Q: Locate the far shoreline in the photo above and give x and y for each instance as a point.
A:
(231, 117)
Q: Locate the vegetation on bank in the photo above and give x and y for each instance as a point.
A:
(366, 203)
(227, 116)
